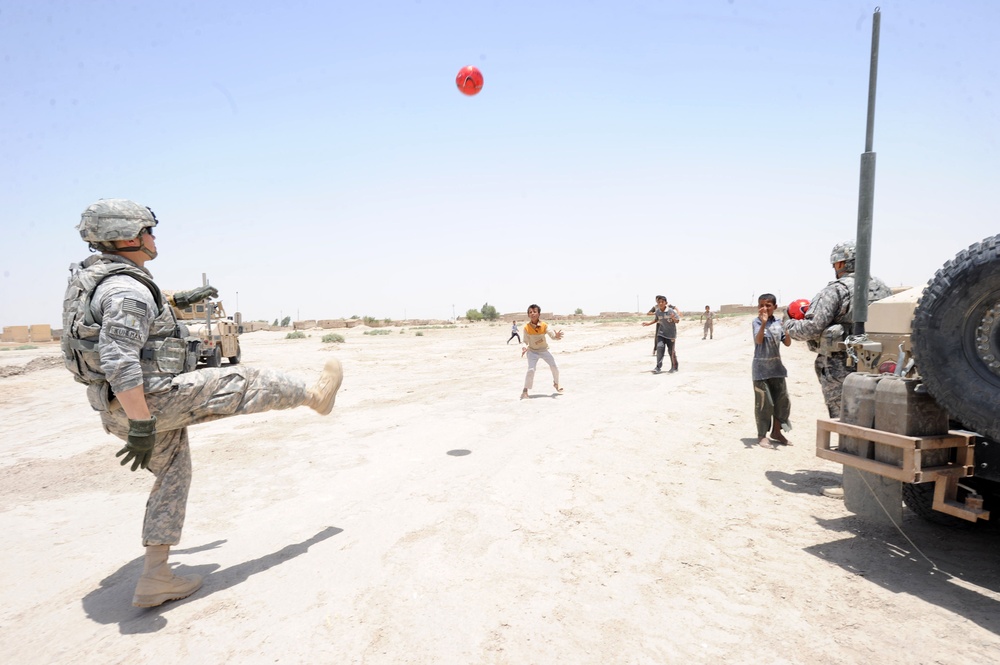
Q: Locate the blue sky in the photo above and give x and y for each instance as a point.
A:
(316, 157)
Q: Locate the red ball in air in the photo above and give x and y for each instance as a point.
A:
(469, 80)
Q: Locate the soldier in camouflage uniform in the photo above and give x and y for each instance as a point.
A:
(121, 339)
(828, 321)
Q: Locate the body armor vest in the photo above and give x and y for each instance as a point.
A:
(843, 320)
(164, 355)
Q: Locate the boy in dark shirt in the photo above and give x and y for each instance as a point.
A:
(771, 404)
(665, 317)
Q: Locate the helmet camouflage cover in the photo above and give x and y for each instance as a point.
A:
(843, 251)
(114, 219)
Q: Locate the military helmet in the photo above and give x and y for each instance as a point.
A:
(843, 251)
(114, 219)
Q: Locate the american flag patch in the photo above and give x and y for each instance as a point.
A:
(136, 307)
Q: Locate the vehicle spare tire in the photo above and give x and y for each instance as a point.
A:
(956, 337)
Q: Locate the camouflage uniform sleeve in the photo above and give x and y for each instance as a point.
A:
(877, 289)
(822, 312)
(126, 310)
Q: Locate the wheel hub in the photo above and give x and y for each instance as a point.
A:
(986, 335)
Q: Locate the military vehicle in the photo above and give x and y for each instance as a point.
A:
(920, 419)
(219, 334)
(921, 416)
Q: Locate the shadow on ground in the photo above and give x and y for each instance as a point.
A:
(956, 570)
(805, 481)
(112, 602)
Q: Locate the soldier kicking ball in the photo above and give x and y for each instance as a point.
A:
(121, 339)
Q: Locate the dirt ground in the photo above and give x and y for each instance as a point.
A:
(437, 518)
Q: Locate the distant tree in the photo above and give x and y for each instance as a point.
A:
(489, 312)
(355, 317)
(474, 315)
(578, 311)
(285, 321)
(275, 324)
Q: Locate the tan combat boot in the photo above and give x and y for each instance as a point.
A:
(157, 584)
(321, 396)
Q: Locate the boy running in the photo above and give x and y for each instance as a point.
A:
(665, 317)
(537, 346)
(513, 332)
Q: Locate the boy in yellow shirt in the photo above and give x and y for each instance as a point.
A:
(537, 346)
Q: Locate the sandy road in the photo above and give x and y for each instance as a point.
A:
(437, 518)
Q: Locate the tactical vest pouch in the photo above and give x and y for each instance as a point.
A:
(82, 359)
(193, 353)
(830, 339)
(99, 396)
(169, 355)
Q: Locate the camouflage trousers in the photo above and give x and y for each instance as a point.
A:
(770, 402)
(831, 371)
(197, 397)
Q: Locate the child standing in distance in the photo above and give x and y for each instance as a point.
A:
(709, 329)
(513, 332)
(537, 346)
(665, 317)
(771, 404)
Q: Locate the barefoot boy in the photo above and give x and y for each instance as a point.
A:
(537, 346)
(771, 404)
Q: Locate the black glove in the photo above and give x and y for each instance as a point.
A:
(139, 448)
(184, 298)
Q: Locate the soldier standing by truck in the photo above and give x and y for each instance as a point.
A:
(828, 322)
(122, 339)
